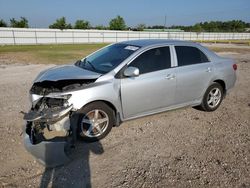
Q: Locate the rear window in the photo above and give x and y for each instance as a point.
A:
(188, 55)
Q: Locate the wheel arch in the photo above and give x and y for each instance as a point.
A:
(223, 85)
(117, 118)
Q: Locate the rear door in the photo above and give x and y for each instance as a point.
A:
(193, 73)
(155, 86)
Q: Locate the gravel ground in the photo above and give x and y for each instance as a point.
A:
(180, 148)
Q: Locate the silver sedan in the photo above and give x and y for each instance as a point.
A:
(120, 82)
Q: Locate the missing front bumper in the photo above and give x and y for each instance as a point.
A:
(47, 115)
(50, 154)
(48, 136)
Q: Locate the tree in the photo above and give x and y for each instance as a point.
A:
(217, 26)
(197, 28)
(82, 24)
(117, 23)
(157, 27)
(100, 27)
(3, 23)
(140, 27)
(60, 24)
(237, 26)
(22, 23)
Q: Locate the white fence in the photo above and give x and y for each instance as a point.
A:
(17, 36)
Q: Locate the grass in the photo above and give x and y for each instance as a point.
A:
(48, 54)
(65, 53)
(56, 48)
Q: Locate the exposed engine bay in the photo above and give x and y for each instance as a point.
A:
(46, 87)
(47, 116)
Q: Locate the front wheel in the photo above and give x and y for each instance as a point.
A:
(95, 121)
(212, 97)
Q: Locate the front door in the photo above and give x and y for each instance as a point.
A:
(154, 88)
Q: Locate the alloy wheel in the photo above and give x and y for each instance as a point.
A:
(94, 123)
(214, 97)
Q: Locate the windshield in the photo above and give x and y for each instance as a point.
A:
(107, 58)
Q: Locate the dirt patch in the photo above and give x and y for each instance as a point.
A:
(181, 148)
(229, 48)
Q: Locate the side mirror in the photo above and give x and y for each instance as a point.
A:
(131, 72)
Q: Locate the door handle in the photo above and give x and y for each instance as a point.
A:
(209, 69)
(170, 77)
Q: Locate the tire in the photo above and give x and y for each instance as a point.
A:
(212, 97)
(95, 121)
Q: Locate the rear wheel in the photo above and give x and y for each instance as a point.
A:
(95, 121)
(212, 98)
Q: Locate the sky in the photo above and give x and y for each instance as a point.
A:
(42, 13)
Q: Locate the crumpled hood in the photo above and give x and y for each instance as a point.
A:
(66, 72)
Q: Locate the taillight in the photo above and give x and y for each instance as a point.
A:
(235, 67)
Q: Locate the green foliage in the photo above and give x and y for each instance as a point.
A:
(217, 26)
(197, 28)
(156, 27)
(117, 23)
(82, 24)
(100, 27)
(140, 27)
(3, 23)
(60, 24)
(22, 23)
(69, 26)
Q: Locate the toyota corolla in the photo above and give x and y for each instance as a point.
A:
(120, 82)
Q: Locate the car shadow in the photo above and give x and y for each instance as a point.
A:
(77, 172)
(199, 108)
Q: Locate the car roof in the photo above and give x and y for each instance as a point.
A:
(145, 43)
(151, 42)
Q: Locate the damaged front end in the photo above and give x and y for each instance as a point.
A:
(48, 130)
(50, 124)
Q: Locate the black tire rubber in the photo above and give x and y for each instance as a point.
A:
(92, 106)
(204, 106)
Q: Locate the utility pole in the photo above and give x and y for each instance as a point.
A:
(165, 22)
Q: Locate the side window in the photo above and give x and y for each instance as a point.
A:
(188, 55)
(153, 60)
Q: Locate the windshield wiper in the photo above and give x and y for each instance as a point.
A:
(92, 66)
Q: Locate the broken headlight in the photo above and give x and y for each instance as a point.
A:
(34, 99)
(51, 102)
(65, 97)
